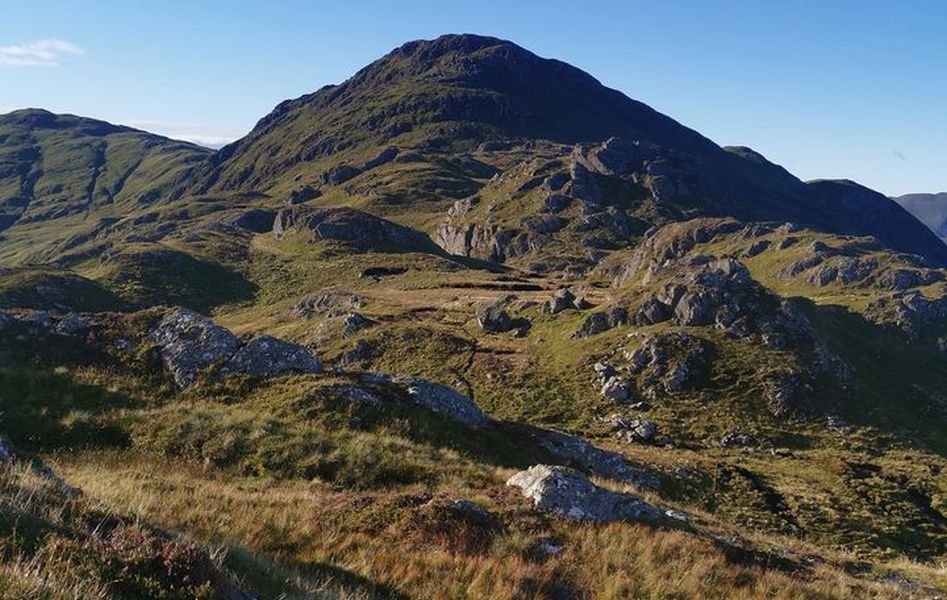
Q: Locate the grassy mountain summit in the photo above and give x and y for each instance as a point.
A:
(467, 325)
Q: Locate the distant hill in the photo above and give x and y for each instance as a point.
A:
(930, 209)
(54, 166)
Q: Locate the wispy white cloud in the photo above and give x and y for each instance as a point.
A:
(39, 53)
(191, 132)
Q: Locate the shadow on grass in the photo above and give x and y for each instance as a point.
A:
(291, 578)
(898, 386)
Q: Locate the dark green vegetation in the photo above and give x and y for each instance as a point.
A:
(785, 338)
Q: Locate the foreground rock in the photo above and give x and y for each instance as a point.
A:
(191, 344)
(568, 493)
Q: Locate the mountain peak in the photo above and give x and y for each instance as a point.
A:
(465, 43)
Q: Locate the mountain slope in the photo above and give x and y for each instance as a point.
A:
(431, 103)
(930, 209)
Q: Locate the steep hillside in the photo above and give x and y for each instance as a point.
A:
(930, 209)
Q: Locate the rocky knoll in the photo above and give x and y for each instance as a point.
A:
(359, 229)
(570, 494)
(670, 281)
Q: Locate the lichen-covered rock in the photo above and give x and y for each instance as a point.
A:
(616, 389)
(437, 397)
(353, 394)
(268, 356)
(191, 343)
(639, 431)
(568, 493)
(783, 393)
(579, 453)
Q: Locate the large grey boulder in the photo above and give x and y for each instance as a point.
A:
(190, 343)
(579, 453)
(269, 356)
(568, 493)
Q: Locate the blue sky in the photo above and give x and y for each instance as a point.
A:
(830, 88)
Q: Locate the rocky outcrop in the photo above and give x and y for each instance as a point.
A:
(268, 356)
(447, 402)
(579, 453)
(488, 242)
(665, 246)
(669, 363)
(302, 194)
(637, 430)
(570, 494)
(332, 303)
(356, 228)
(191, 344)
(562, 300)
(756, 248)
(493, 317)
(738, 439)
(616, 389)
(602, 321)
(354, 322)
